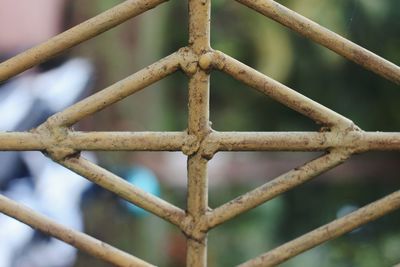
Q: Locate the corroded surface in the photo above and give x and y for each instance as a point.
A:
(339, 137)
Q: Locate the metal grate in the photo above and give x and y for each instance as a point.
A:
(339, 137)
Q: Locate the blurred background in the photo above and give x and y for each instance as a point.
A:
(370, 101)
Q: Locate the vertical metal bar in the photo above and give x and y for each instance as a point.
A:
(198, 125)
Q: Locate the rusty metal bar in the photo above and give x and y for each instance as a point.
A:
(325, 37)
(327, 232)
(74, 36)
(128, 141)
(118, 91)
(275, 187)
(77, 239)
(199, 126)
(125, 190)
(280, 92)
(20, 141)
(357, 141)
(373, 141)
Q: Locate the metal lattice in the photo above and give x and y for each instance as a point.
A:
(340, 138)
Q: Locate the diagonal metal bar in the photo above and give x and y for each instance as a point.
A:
(275, 187)
(118, 91)
(125, 190)
(74, 36)
(280, 92)
(327, 232)
(325, 37)
(77, 239)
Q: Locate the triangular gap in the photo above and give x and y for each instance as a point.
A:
(309, 68)
(53, 192)
(126, 47)
(235, 173)
(72, 36)
(159, 107)
(248, 235)
(160, 173)
(252, 39)
(141, 234)
(233, 107)
(325, 37)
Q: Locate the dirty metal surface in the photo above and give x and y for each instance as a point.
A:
(339, 137)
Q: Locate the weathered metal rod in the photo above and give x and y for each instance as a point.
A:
(327, 232)
(20, 141)
(325, 37)
(128, 141)
(117, 91)
(275, 187)
(74, 36)
(125, 190)
(357, 141)
(198, 125)
(77, 239)
(280, 92)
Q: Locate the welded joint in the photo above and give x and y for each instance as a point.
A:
(206, 61)
(189, 61)
(195, 229)
(345, 126)
(206, 146)
(209, 147)
(349, 139)
(55, 140)
(219, 60)
(191, 145)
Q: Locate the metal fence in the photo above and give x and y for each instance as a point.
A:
(339, 137)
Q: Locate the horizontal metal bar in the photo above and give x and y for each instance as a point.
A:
(275, 187)
(74, 36)
(125, 190)
(280, 92)
(357, 141)
(20, 141)
(118, 91)
(378, 141)
(327, 232)
(325, 37)
(128, 141)
(272, 141)
(77, 239)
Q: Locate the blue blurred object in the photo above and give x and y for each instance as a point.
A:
(144, 179)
